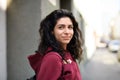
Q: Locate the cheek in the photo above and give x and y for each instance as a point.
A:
(57, 37)
(56, 34)
(72, 33)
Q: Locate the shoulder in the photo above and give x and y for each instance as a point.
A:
(52, 56)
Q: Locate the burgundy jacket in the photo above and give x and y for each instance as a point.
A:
(51, 65)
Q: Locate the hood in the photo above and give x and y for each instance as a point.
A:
(35, 60)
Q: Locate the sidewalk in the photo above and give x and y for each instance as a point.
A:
(103, 66)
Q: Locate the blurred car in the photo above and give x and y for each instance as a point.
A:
(105, 41)
(114, 45)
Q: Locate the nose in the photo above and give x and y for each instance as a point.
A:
(66, 30)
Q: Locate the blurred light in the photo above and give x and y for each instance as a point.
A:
(3, 4)
(97, 15)
(9, 2)
(53, 2)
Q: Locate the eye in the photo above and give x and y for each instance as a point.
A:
(60, 26)
(70, 26)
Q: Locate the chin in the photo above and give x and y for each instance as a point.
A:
(67, 42)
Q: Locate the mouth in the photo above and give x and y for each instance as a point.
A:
(66, 38)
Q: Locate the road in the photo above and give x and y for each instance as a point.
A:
(103, 66)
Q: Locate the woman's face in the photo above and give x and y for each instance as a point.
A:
(63, 31)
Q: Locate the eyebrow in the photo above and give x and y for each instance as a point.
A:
(64, 25)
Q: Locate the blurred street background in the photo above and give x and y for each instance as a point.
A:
(99, 21)
(104, 65)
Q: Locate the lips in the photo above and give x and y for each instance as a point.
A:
(66, 38)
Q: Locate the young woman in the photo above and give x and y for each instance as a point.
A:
(59, 48)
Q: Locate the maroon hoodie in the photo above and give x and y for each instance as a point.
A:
(51, 65)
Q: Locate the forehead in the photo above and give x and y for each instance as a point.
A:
(64, 20)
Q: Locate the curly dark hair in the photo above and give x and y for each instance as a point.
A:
(47, 39)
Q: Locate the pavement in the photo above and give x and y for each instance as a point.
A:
(102, 66)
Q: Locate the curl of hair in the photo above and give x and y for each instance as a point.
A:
(47, 39)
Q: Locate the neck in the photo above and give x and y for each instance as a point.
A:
(65, 47)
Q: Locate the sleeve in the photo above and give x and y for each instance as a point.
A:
(51, 68)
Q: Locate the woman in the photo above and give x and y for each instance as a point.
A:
(59, 48)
